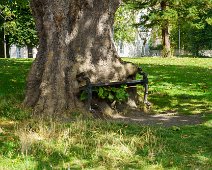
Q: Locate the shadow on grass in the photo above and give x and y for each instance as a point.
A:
(13, 74)
(186, 147)
(112, 145)
(185, 104)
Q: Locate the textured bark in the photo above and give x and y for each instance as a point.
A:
(165, 34)
(75, 36)
(166, 42)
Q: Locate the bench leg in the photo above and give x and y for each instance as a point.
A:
(146, 95)
(145, 78)
(89, 92)
(89, 97)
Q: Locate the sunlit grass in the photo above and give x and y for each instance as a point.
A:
(89, 144)
(181, 85)
(13, 74)
(176, 85)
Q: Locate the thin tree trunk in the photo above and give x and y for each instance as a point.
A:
(165, 34)
(75, 36)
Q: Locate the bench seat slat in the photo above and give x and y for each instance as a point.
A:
(128, 83)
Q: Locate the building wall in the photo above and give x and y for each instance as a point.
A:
(137, 48)
(17, 52)
(206, 53)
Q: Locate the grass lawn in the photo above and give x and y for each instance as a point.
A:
(181, 85)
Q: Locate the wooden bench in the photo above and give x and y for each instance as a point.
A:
(89, 87)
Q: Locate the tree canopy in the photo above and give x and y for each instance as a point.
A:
(125, 19)
(195, 25)
(19, 23)
(192, 17)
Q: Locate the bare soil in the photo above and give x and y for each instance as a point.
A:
(167, 120)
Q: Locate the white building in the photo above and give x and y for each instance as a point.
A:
(140, 46)
(137, 48)
(22, 52)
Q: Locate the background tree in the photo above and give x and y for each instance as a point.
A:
(158, 13)
(124, 29)
(195, 25)
(191, 17)
(20, 25)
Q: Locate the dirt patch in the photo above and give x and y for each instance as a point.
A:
(170, 119)
(129, 115)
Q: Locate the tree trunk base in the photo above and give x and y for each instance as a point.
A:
(75, 37)
(105, 109)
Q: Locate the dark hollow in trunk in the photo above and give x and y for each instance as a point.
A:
(75, 36)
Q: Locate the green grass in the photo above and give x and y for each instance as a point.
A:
(12, 84)
(27, 143)
(102, 145)
(181, 85)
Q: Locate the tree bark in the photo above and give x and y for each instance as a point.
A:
(166, 42)
(75, 36)
(165, 34)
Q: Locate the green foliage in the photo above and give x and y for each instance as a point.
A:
(83, 95)
(112, 93)
(124, 29)
(194, 17)
(20, 25)
(195, 26)
(153, 15)
(22, 3)
(108, 93)
(157, 14)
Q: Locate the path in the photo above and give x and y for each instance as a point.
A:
(161, 119)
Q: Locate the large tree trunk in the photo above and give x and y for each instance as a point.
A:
(75, 36)
(165, 34)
